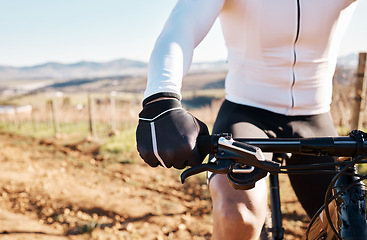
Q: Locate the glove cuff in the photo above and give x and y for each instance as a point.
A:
(159, 95)
(153, 110)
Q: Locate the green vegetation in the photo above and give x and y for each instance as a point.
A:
(42, 129)
(121, 146)
(71, 99)
(74, 123)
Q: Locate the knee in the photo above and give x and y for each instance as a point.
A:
(241, 213)
(236, 218)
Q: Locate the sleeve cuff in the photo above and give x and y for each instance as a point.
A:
(159, 95)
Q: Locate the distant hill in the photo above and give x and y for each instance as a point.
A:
(120, 67)
(122, 75)
(85, 69)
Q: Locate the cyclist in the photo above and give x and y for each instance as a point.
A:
(281, 60)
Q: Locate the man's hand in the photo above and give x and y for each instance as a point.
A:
(166, 135)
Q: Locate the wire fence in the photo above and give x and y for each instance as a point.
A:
(105, 116)
(55, 116)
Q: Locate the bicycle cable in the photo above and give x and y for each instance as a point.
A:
(299, 169)
(318, 165)
(329, 191)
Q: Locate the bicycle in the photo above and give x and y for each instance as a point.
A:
(345, 197)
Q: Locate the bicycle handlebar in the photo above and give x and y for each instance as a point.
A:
(249, 151)
(346, 146)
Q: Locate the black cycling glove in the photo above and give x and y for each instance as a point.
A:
(166, 135)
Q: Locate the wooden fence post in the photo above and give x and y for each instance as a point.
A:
(33, 119)
(113, 113)
(92, 127)
(55, 119)
(359, 105)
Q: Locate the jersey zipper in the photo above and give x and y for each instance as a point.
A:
(294, 51)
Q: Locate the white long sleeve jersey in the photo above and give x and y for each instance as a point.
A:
(281, 54)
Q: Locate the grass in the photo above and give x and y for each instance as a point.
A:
(42, 129)
(120, 147)
(67, 98)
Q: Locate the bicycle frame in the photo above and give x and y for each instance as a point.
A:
(346, 211)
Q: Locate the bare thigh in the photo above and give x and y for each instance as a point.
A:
(238, 212)
(244, 211)
(251, 201)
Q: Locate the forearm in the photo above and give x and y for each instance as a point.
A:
(172, 55)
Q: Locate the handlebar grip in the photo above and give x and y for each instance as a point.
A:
(206, 144)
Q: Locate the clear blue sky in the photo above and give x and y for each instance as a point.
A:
(67, 31)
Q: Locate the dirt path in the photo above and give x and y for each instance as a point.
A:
(52, 190)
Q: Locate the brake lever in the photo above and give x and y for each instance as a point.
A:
(246, 154)
(221, 166)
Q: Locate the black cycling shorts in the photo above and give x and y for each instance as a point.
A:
(250, 122)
